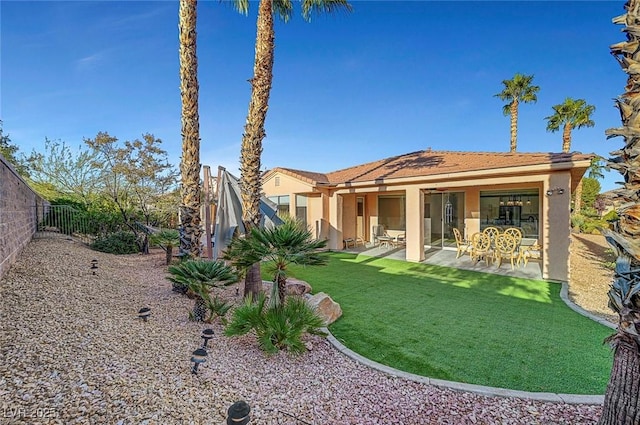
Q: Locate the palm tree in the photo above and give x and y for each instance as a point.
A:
(251, 148)
(279, 246)
(167, 239)
(517, 90)
(199, 276)
(622, 399)
(190, 165)
(572, 114)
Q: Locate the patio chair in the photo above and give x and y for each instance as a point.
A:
(515, 233)
(463, 246)
(377, 230)
(481, 247)
(530, 252)
(505, 248)
(492, 232)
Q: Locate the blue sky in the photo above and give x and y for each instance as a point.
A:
(387, 79)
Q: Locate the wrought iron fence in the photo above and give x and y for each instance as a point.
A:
(64, 221)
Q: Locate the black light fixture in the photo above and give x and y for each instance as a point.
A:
(94, 265)
(197, 357)
(207, 334)
(556, 190)
(144, 313)
(239, 413)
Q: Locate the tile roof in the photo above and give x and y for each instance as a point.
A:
(433, 163)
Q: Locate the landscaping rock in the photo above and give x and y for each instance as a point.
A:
(294, 287)
(326, 308)
(297, 287)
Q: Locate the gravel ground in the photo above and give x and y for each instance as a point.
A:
(74, 352)
(590, 279)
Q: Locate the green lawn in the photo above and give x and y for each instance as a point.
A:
(463, 326)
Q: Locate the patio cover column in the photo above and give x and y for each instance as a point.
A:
(415, 224)
(335, 222)
(556, 230)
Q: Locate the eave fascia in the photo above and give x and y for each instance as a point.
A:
(467, 175)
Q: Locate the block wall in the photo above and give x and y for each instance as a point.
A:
(18, 214)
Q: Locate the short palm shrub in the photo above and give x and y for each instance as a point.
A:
(167, 239)
(198, 277)
(217, 309)
(117, 243)
(277, 247)
(279, 328)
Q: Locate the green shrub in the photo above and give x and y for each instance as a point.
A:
(117, 243)
(198, 277)
(611, 216)
(276, 328)
(588, 224)
(577, 221)
(217, 308)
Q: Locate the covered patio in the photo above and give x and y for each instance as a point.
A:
(447, 258)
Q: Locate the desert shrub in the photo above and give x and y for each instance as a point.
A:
(198, 277)
(117, 243)
(588, 224)
(611, 216)
(276, 328)
(217, 308)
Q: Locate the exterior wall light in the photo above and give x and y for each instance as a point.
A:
(556, 190)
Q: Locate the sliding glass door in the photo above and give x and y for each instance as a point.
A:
(442, 212)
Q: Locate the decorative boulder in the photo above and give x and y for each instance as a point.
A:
(327, 309)
(297, 287)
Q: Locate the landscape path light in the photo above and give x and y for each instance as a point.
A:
(144, 313)
(197, 357)
(239, 413)
(94, 265)
(207, 334)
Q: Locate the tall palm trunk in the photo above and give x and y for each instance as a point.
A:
(621, 403)
(190, 166)
(251, 149)
(577, 198)
(566, 146)
(514, 125)
(566, 137)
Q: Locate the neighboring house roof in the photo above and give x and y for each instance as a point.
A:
(432, 163)
(306, 176)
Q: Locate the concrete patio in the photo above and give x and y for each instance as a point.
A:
(447, 258)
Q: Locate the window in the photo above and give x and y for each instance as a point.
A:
(392, 212)
(282, 202)
(301, 209)
(277, 182)
(517, 208)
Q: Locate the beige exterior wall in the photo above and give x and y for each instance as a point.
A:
(331, 212)
(556, 228)
(415, 227)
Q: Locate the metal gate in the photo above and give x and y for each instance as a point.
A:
(63, 221)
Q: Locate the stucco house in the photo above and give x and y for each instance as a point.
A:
(426, 194)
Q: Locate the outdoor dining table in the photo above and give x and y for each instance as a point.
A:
(385, 241)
